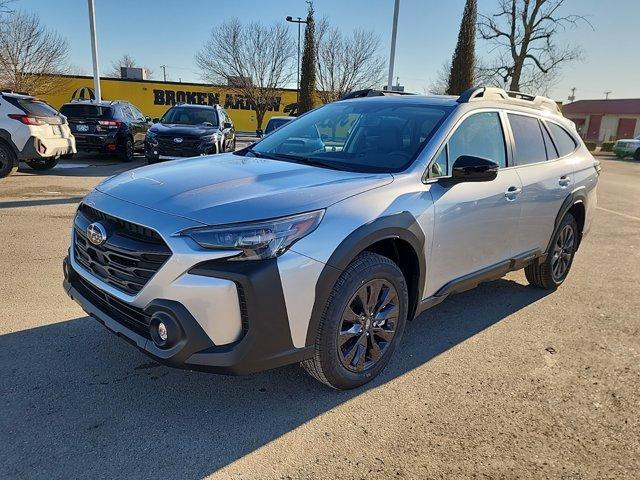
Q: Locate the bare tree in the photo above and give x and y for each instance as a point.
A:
(31, 56)
(125, 61)
(254, 60)
(346, 63)
(523, 35)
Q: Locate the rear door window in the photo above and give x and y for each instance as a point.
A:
(528, 139)
(564, 142)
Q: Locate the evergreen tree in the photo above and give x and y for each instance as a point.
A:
(308, 74)
(461, 76)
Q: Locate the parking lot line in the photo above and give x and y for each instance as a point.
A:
(626, 215)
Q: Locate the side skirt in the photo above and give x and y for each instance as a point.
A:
(472, 280)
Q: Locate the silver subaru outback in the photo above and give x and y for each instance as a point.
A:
(317, 243)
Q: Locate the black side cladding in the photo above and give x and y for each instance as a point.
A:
(401, 226)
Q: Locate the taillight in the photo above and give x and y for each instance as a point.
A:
(26, 119)
(110, 123)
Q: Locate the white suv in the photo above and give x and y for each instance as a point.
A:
(33, 132)
(320, 241)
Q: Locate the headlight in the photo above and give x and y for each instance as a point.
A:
(151, 137)
(257, 240)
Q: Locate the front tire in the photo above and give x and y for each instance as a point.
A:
(42, 164)
(551, 273)
(362, 323)
(7, 160)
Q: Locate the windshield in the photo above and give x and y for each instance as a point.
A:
(190, 116)
(363, 136)
(83, 110)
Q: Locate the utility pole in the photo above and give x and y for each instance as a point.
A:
(94, 51)
(392, 55)
(299, 21)
(164, 72)
(607, 93)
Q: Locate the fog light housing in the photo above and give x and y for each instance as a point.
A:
(164, 330)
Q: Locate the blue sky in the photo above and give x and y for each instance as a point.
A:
(171, 31)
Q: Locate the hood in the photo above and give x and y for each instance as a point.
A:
(193, 130)
(230, 188)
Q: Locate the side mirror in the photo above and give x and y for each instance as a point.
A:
(227, 125)
(259, 133)
(148, 119)
(155, 120)
(468, 168)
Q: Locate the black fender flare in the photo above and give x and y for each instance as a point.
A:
(401, 226)
(578, 196)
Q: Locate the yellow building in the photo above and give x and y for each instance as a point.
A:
(155, 98)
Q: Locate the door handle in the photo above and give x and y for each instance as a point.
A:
(564, 181)
(512, 193)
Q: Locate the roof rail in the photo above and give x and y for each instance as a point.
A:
(516, 98)
(372, 92)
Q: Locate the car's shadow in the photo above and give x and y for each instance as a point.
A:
(87, 165)
(79, 402)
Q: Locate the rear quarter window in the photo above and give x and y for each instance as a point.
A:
(564, 142)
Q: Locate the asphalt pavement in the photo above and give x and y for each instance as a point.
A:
(503, 381)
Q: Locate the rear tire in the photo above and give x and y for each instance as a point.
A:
(354, 341)
(7, 160)
(67, 156)
(551, 273)
(636, 156)
(42, 164)
(127, 150)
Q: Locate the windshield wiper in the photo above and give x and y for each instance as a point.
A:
(316, 162)
(257, 154)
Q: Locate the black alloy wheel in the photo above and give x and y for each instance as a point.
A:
(563, 251)
(368, 325)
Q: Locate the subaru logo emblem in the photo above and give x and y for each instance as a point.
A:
(178, 139)
(96, 233)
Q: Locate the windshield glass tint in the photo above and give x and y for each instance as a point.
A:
(80, 110)
(366, 136)
(190, 116)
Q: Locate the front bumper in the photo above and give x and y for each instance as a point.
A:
(265, 341)
(156, 152)
(47, 148)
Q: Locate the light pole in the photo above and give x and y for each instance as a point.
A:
(392, 54)
(299, 21)
(94, 51)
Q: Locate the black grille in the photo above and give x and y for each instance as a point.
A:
(187, 148)
(128, 259)
(131, 317)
